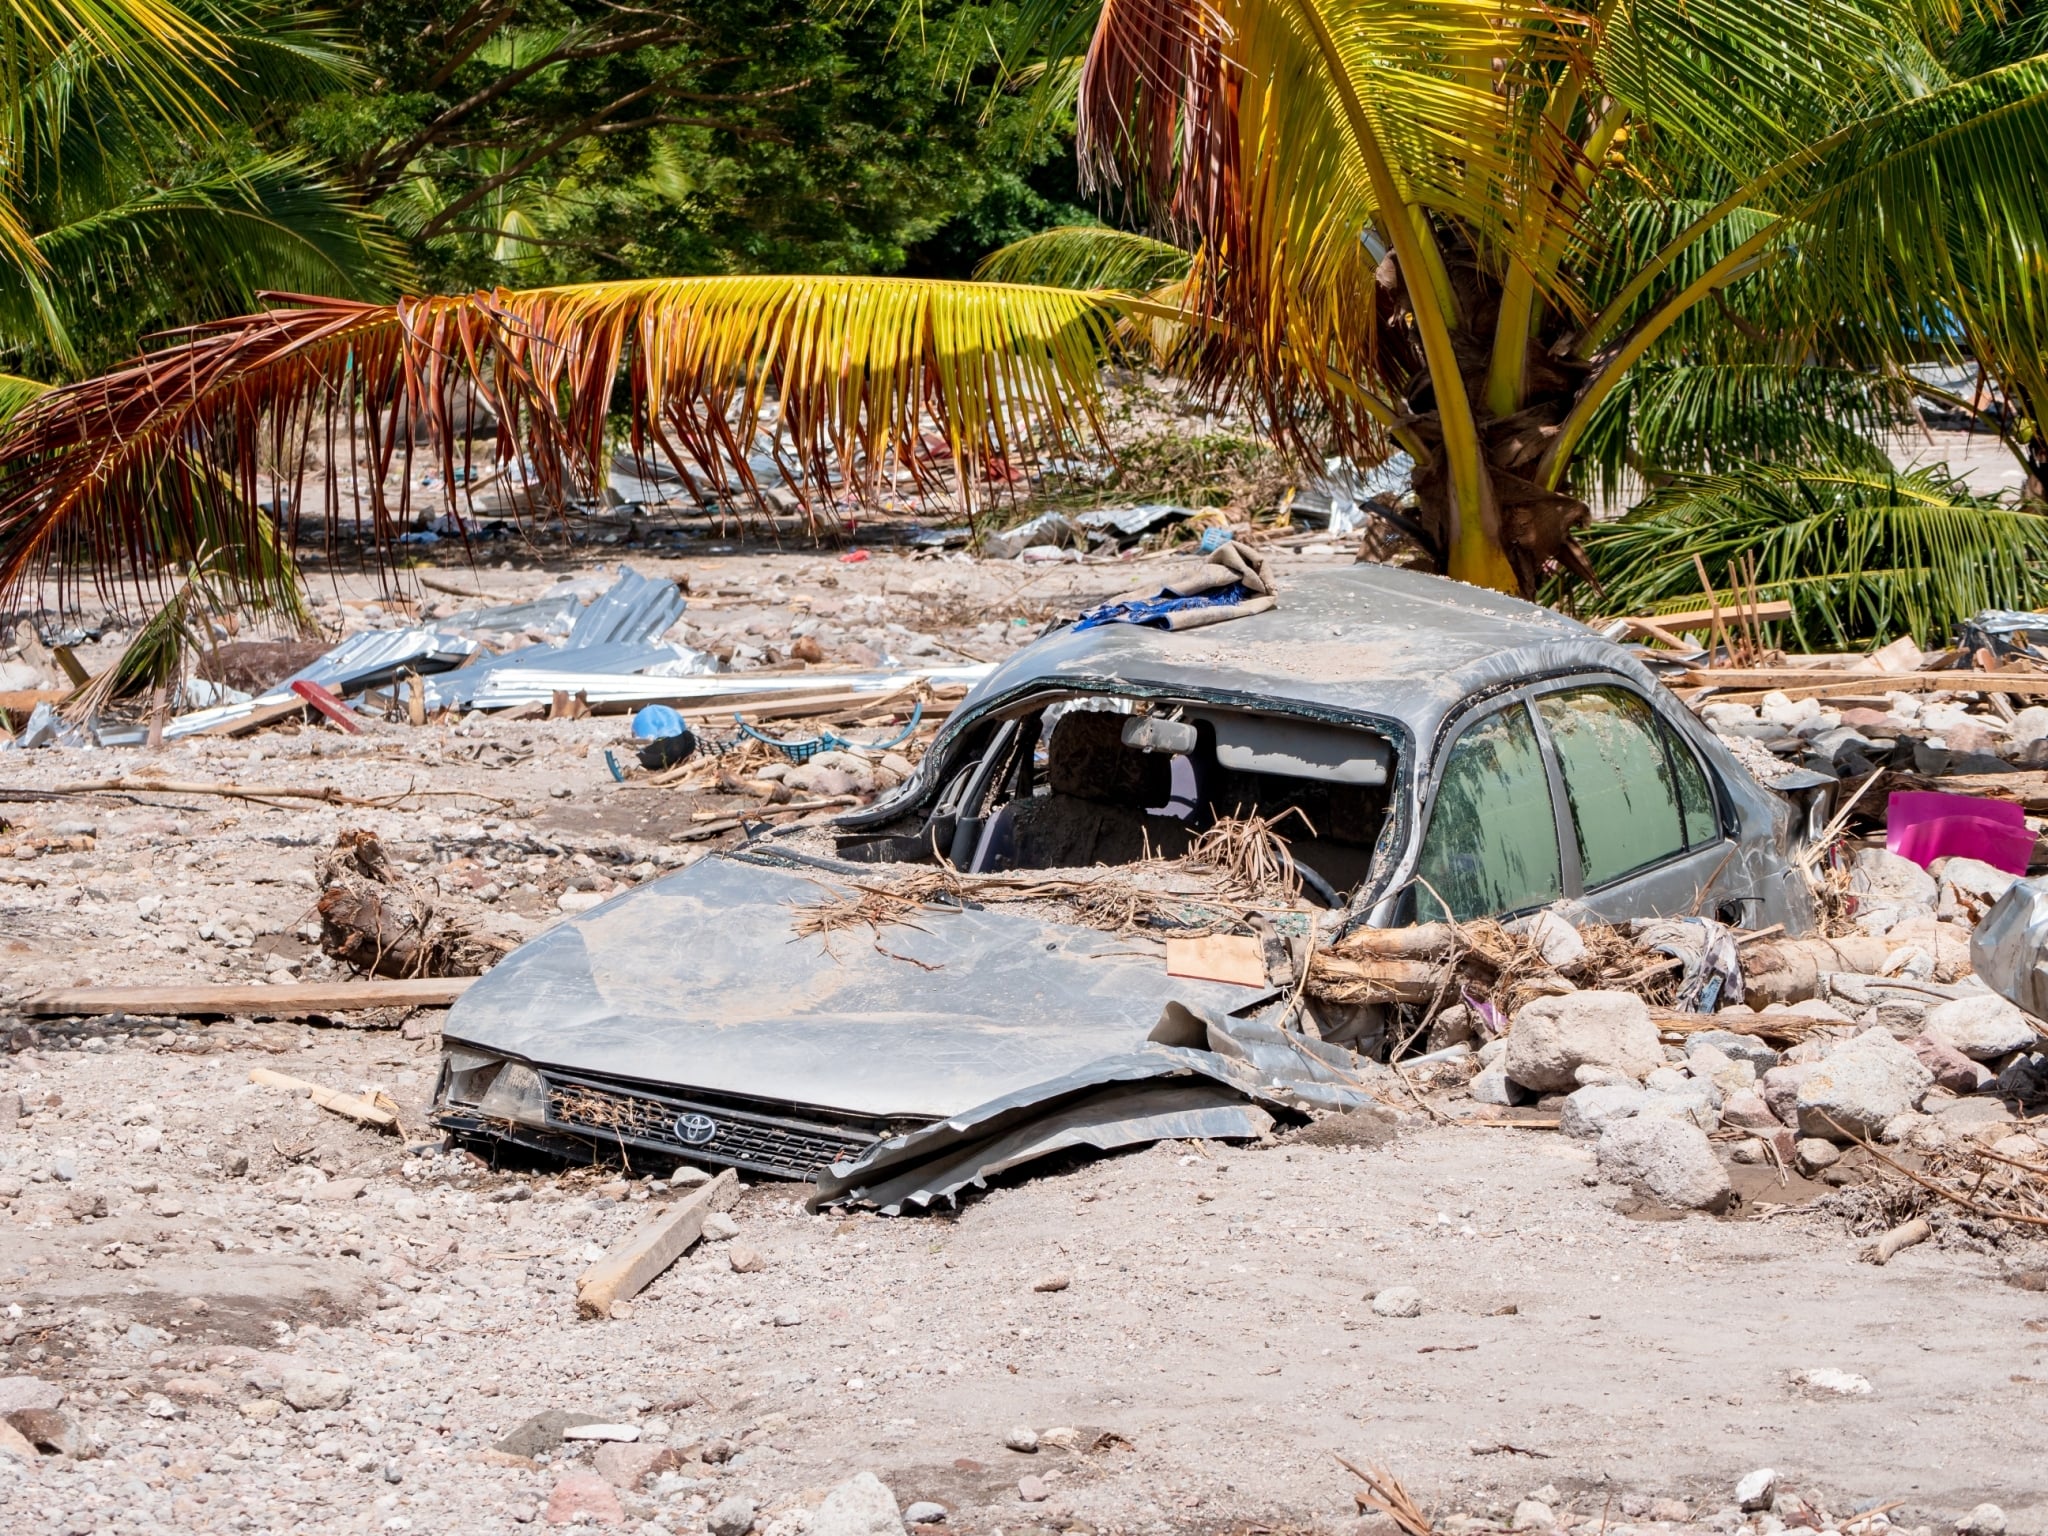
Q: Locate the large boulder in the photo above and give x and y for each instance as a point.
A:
(1592, 1109)
(1554, 1036)
(1868, 1080)
(1670, 1158)
(1981, 1028)
(1881, 878)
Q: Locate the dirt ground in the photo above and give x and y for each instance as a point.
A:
(179, 1246)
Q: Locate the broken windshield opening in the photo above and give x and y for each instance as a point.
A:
(1076, 782)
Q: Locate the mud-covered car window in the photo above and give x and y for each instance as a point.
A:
(1492, 840)
(1637, 797)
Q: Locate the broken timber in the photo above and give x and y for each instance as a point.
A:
(363, 1111)
(272, 1002)
(627, 1269)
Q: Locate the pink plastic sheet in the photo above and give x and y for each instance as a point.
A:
(1924, 826)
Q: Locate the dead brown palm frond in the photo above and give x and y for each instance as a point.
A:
(1383, 1494)
(1250, 853)
(318, 402)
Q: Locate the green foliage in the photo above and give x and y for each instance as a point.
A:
(1862, 552)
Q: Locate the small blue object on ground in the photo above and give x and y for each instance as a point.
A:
(1214, 539)
(657, 721)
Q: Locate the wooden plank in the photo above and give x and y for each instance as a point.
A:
(270, 714)
(284, 1002)
(2034, 684)
(348, 1105)
(1701, 618)
(22, 701)
(1233, 957)
(1391, 980)
(630, 1267)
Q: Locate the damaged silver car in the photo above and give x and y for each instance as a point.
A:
(978, 969)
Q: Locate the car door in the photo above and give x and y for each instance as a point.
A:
(1643, 830)
(1490, 846)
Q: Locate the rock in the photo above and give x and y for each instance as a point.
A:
(1398, 1301)
(1815, 1154)
(1588, 1112)
(1052, 1282)
(1491, 1086)
(1553, 1036)
(14, 1443)
(628, 1466)
(732, 1517)
(1951, 1068)
(49, 1429)
(1670, 1158)
(307, 1390)
(1695, 1105)
(1532, 1515)
(1753, 1151)
(1737, 1047)
(148, 1139)
(1984, 1520)
(1884, 879)
(1032, 1490)
(1669, 1511)
(584, 1496)
(1748, 1112)
(1727, 1074)
(1755, 1490)
(1981, 1028)
(925, 1512)
(1601, 1077)
(745, 1260)
(860, 1506)
(1966, 1115)
(1022, 1439)
(718, 1227)
(686, 1177)
(1862, 1086)
(28, 1393)
(542, 1433)
(1901, 1129)
(1456, 1025)
(787, 1317)
(1780, 1088)
(1841, 1383)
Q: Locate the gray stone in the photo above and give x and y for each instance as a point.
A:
(20, 1394)
(1981, 1028)
(1748, 1112)
(1737, 1047)
(1592, 1109)
(542, 1433)
(1755, 1490)
(732, 1517)
(787, 1317)
(1532, 1515)
(1554, 1036)
(860, 1506)
(1695, 1105)
(1972, 1114)
(1033, 1490)
(1398, 1301)
(1780, 1088)
(1861, 1087)
(1816, 1154)
(1023, 1438)
(307, 1390)
(925, 1512)
(1882, 878)
(1984, 1520)
(1670, 1158)
(1491, 1086)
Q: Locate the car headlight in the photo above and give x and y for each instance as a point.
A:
(492, 1086)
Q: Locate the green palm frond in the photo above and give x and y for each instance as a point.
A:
(16, 394)
(1088, 256)
(1862, 553)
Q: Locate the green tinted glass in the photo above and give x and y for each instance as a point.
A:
(1617, 779)
(1492, 840)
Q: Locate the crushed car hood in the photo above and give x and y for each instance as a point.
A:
(699, 979)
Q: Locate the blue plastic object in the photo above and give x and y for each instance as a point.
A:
(1214, 539)
(657, 721)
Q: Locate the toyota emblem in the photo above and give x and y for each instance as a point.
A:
(695, 1130)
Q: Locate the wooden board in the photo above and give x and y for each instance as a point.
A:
(22, 701)
(1703, 618)
(285, 1002)
(362, 1111)
(2030, 683)
(1232, 957)
(630, 1267)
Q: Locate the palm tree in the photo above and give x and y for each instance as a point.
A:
(1460, 226)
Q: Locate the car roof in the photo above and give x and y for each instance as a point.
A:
(1364, 638)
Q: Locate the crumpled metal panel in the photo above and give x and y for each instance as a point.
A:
(366, 660)
(1202, 1073)
(699, 980)
(636, 609)
(534, 673)
(2009, 949)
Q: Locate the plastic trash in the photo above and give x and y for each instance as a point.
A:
(1214, 539)
(657, 721)
(1923, 826)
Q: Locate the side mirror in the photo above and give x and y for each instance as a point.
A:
(1150, 733)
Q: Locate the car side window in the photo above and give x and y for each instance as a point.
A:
(1637, 798)
(1491, 846)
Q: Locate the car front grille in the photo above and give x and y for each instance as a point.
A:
(705, 1129)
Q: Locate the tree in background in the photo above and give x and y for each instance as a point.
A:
(1468, 227)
